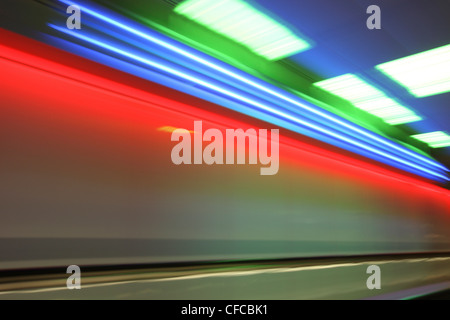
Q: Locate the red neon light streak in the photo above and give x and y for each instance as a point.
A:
(37, 75)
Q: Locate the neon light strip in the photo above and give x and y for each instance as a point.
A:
(271, 110)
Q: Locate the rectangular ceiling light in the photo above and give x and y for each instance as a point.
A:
(437, 139)
(422, 74)
(368, 98)
(242, 23)
(403, 119)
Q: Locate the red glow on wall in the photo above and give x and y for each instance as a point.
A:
(114, 118)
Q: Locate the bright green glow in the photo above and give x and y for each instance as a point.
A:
(368, 98)
(391, 112)
(437, 139)
(241, 22)
(423, 74)
(404, 119)
(375, 104)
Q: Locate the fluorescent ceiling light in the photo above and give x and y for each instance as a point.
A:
(422, 74)
(368, 98)
(403, 119)
(244, 24)
(437, 139)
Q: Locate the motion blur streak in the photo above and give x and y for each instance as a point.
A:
(48, 65)
(373, 146)
(141, 277)
(214, 281)
(90, 179)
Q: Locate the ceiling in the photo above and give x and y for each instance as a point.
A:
(343, 43)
